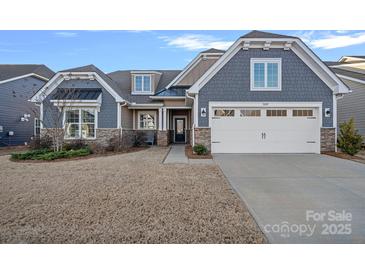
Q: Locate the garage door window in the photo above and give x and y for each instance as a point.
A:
(276, 112)
(224, 112)
(250, 113)
(302, 112)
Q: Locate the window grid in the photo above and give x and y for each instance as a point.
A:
(276, 112)
(142, 83)
(250, 113)
(80, 123)
(266, 74)
(302, 112)
(224, 112)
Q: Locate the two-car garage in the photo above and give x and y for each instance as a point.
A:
(266, 128)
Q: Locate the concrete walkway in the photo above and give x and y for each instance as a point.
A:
(296, 198)
(177, 156)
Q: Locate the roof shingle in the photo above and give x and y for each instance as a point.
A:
(12, 71)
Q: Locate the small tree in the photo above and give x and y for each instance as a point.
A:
(349, 140)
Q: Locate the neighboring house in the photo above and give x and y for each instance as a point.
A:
(18, 116)
(267, 93)
(351, 69)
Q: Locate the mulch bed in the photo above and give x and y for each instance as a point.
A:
(10, 149)
(191, 155)
(345, 156)
(94, 155)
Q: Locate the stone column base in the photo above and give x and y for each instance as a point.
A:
(203, 137)
(328, 139)
(163, 138)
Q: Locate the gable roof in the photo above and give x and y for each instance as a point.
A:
(349, 74)
(212, 50)
(258, 39)
(263, 34)
(9, 72)
(101, 77)
(123, 79)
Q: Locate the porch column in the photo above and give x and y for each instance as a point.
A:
(164, 118)
(160, 119)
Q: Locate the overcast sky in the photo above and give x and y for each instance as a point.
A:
(114, 50)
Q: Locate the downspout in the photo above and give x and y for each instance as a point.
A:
(193, 133)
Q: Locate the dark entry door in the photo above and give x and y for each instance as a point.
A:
(179, 130)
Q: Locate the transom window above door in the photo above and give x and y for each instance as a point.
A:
(265, 74)
(142, 84)
(250, 113)
(224, 112)
(276, 112)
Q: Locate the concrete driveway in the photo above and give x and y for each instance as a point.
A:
(300, 198)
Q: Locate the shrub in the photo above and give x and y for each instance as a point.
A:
(200, 149)
(48, 155)
(28, 155)
(40, 143)
(140, 139)
(75, 145)
(349, 140)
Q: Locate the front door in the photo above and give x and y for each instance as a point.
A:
(180, 130)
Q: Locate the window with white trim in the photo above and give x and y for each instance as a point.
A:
(266, 74)
(142, 83)
(80, 123)
(37, 127)
(147, 120)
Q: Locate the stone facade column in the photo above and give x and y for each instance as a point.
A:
(203, 137)
(163, 139)
(328, 139)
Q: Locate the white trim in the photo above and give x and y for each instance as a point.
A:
(164, 118)
(351, 79)
(167, 97)
(298, 47)
(35, 126)
(80, 122)
(59, 77)
(265, 61)
(41, 114)
(196, 111)
(230, 104)
(192, 64)
(334, 121)
(142, 92)
(152, 113)
(160, 119)
(119, 118)
(356, 58)
(24, 76)
(185, 123)
(144, 106)
(134, 119)
(178, 107)
(145, 72)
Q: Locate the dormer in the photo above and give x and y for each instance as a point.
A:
(144, 82)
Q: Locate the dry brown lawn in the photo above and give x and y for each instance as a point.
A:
(127, 198)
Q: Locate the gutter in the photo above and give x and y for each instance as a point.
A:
(193, 133)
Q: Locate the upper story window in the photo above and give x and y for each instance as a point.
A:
(266, 74)
(142, 84)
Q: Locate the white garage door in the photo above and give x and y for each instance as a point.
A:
(265, 130)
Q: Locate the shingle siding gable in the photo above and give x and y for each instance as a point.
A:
(232, 83)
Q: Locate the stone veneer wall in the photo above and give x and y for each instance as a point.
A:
(328, 139)
(163, 138)
(202, 136)
(103, 136)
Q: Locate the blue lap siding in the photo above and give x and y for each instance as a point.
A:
(232, 83)
(14, 104)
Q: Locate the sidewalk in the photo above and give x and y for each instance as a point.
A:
(177, 156)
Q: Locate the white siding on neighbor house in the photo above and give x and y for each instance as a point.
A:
(353, 105)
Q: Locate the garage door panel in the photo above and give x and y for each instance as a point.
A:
(266, 134)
